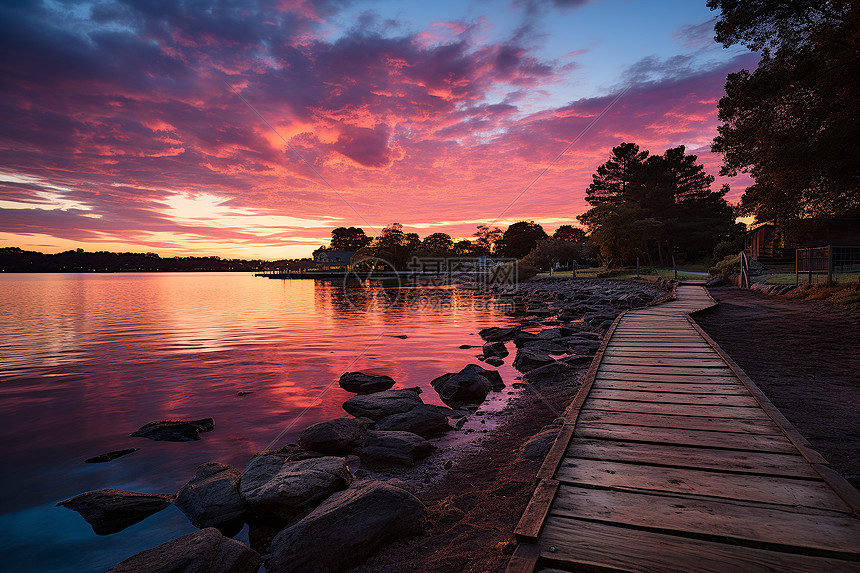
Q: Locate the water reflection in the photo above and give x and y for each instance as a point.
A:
(87, 359)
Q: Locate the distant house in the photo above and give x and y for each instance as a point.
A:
(332, 260)
(768, 242)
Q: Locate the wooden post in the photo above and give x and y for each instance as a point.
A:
(574, 269)
(796, 260)
(829, 263)
(637, 267)
(674, 267)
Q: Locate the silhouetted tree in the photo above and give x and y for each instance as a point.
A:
(793, 122)
(464, 248)
(440, 242)
(348, 239)
(661, 205)
(520, 238)
(569, 233)
(486, 239)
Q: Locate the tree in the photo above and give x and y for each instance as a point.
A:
(486, 240)
(348, 239)
(793, 122)
(663, 205)
(551, 251)
(464, 248)
(569, 233)
(438, 242)
(520, 238)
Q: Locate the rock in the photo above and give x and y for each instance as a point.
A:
(111, 510)
(531, 358)
(211, 498)
(175, 430)
(381, 404)
(466, 346)
(110, 456)
(347, 528)
(494, 361)
(392, 447)
(496, 334)
(548, 346)
(361, 383)
(284, 491)
(204, 551)
(524, 337)
(495, 349)
(469, 386)
(558, 372)
(538, 446)
(244, 392)
(424, 420)
(332, 436)
(597, 318)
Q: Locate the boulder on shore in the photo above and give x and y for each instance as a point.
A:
(494, 361)
(531, 358)
(292, 487)
(204, 551)
(538, 446)
(175, 430)
(564, 371)
(332, 436)
(211, 498)
(361, 383)
(112, 510)
(496, 334)
(468, 386)
(424, 420)
(382, 448)
(495, 349)
(110, 456)
(381, 404)
(347, 528)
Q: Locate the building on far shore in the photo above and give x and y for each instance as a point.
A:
(768, 242)
(332, 260)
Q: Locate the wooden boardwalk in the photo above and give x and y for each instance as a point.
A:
(671, 459)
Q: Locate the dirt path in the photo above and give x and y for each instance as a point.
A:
(805, 357)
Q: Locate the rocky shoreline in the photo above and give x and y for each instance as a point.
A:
(353, 485)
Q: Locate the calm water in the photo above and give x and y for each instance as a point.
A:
(87, 359)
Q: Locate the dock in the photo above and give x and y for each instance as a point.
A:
(671, 459)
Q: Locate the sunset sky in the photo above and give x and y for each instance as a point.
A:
(251, 129)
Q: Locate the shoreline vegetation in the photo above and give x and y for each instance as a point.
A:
(352, 485)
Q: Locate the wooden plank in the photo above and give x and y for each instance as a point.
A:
(659, 353)
(536, 511)
(746, 401)
(683, 437)
(789, 465)
(760, 427)
(676, 409)
(669, 346)
(676, 379)
(524, 559)
(680, 361)
(792, 492)
(650, 386)
(667, 370)
(600, 547)
(710, 518)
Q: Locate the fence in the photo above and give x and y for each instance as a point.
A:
(834, 262)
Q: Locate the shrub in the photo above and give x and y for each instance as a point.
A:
(727, 248)
(727, 266)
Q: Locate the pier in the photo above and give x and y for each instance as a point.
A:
(671, 459)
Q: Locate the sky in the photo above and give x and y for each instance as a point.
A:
(250, 129)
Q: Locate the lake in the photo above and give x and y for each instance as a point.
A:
(86, 359)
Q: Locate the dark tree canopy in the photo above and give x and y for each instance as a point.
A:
(348, 239)
(441, 242)
(793, 123)
(661, 205)
(569, 233)
(520, 238)
(486, 238)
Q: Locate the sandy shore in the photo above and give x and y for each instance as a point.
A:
(805, 357)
